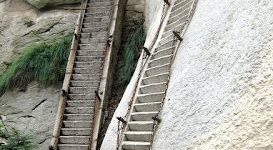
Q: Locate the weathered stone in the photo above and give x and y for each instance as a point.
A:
(46, 3)
(19, 30)
(32, 112)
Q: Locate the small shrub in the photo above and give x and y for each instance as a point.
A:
(15, 140)
(44, 62)
(134, 41)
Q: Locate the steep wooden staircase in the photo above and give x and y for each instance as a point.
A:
(85, 85)
(142, 118)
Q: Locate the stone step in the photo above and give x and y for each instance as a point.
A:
(74, 139)
(89, 58)
(90, 19)
(145, 107)
(166, 44)
(99, 46)
(141, 125)
(95, 29)
(90, 53)
(177, 22)
(77, 124)
(79, 110)
(95, 35)
(167, 39)
(151, 97)
(82, 90)
(163, 52)
(169, 32)
(85, 96)
(181, 6)
(78, 117)
(74, 83)
(98, 9)
(87, 70)
(132, 145)
(157, 70)
(183, 15)
(86, 77)
(160, 61)
(76, 131)
(80, 103)
(99, 3)
(99, 14)
(89, 64)
(73, 147)
(179, 3)
(95, 24)
(155, 79)
(93, 40)
(143, 116)
(153, 88)
(141, 136)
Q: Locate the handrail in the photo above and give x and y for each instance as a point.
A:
(145, 63)
(67, 78)
(106, 75)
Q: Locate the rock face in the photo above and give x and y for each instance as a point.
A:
(32, 112)
(21, 25)
(45, 3)
(221, 88)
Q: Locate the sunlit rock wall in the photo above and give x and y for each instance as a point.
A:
(221, 87)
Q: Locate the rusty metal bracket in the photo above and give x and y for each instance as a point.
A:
(177, 35)
(155, 118)
(167, 2)
(97, 95)
(147, 51)
(122, 120)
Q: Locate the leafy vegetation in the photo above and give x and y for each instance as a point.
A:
(44, 62)
(15, 140)
(134, 41)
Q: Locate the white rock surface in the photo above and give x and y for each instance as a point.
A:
(221, 88)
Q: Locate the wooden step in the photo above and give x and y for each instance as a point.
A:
(74, 139)
(80, 103)
(78, 117)
(76, 131)
(94, 77)
(75, 83)
(73, 147)
(77, 124)
(81, 90)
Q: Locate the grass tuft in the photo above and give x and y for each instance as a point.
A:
(15, 140)
(44, 62)
(134, 41)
